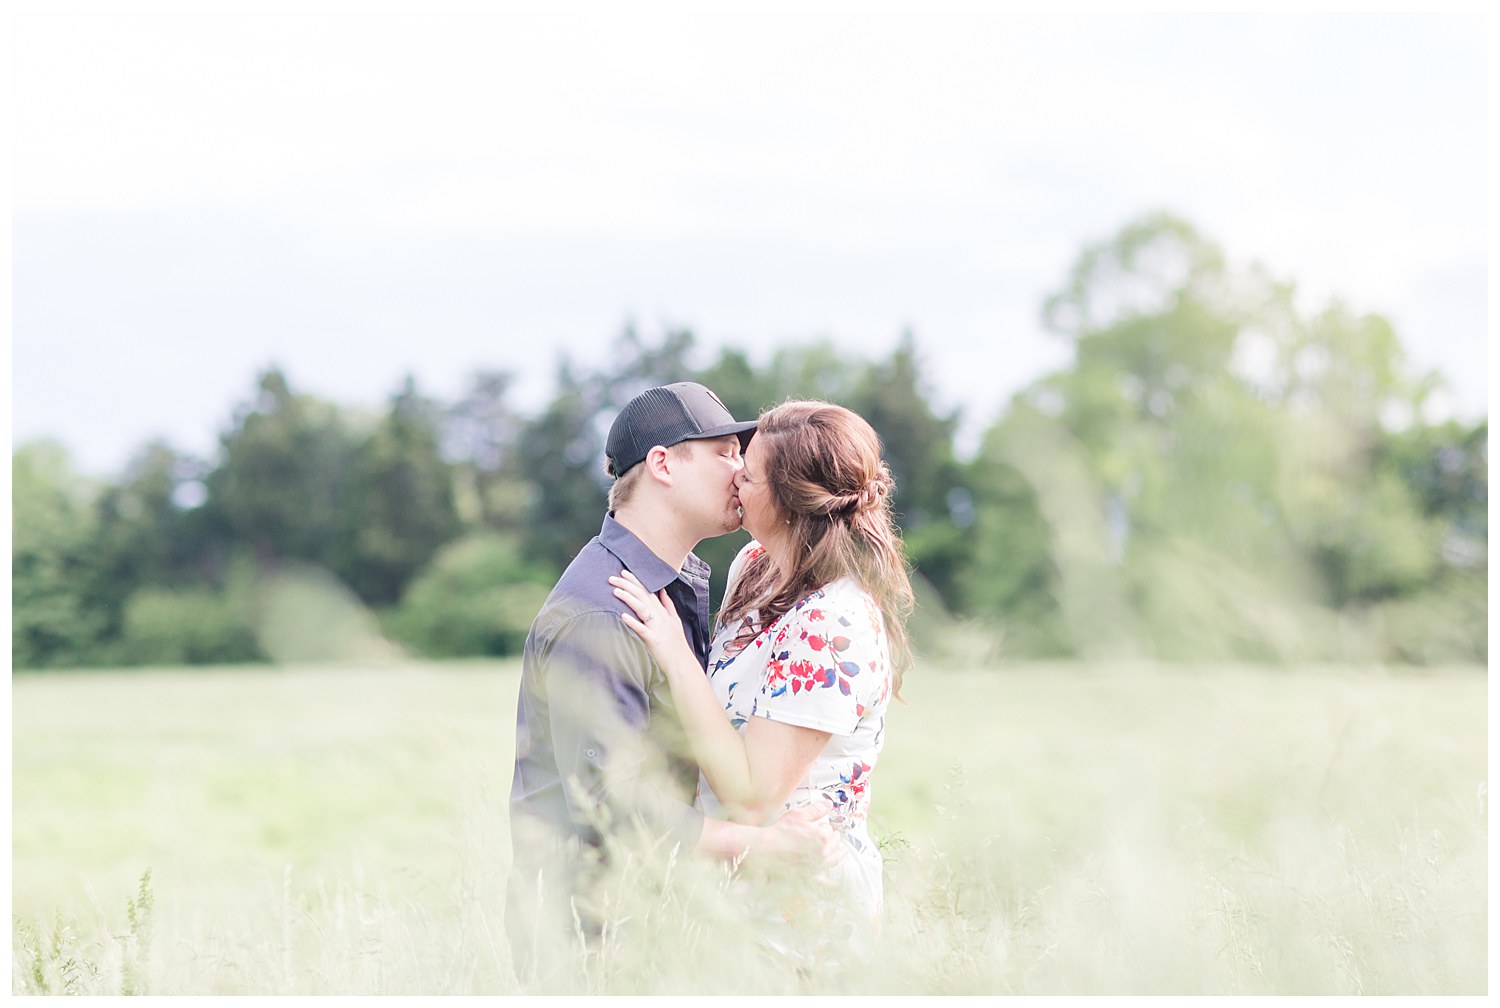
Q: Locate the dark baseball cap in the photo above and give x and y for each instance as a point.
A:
(665, 415)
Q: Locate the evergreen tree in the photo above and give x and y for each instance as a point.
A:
(281, 485)
(561, 452)
(398, 508)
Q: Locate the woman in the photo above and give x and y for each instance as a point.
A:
(809, 647)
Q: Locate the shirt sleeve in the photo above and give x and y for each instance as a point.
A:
(825, 661)
(613, 771)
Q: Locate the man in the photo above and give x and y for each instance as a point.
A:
(599, 751)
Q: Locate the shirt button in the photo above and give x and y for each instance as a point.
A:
(590, 753)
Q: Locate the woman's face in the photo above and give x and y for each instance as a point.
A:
(760, 518)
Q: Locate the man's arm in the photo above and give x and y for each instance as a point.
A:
(612, 772)
(802, 834)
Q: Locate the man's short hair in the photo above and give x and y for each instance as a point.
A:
(621, 490)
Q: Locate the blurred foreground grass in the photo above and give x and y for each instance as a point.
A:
(1050, 830)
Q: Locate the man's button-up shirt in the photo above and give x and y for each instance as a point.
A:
(597, 736)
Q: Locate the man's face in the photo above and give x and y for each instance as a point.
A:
(705, 482)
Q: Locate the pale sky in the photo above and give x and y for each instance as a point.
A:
(357, 191)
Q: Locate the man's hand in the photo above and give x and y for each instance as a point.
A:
(804, 834)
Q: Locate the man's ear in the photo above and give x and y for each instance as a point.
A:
(658, 465)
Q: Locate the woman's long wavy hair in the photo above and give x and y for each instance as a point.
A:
(833, 494)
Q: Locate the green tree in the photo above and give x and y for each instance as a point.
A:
(282, 482)
(1446, 468)
(1224, 497)
(397, 508)
(1046, 563)
(478, 597)
(480, 434)
(150, 530)
(185, 626)
(640, 365)
(562, 453)
(1009, 580)
(933, 507)
(52, 566)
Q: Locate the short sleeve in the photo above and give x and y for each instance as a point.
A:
(826, 662)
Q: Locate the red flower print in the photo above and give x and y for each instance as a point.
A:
(775, 677)
(857, 780)
(803, 675)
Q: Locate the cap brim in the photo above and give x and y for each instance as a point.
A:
(745, 431)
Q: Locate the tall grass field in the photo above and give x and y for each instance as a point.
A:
(1048, 830)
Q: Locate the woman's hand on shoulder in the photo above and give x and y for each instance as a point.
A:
(653, 617)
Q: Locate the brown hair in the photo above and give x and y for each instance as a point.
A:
(828, 483)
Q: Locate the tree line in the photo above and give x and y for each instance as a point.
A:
(1216, 475)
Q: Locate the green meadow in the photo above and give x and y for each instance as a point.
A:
(1049, 829)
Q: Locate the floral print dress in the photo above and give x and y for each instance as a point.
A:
(825, 664)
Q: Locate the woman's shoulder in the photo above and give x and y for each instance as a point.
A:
(834, 637)
(750, 552)
(845, 602)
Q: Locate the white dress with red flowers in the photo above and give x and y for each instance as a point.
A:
(824, 664)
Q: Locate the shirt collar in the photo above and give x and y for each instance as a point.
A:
(654, 572)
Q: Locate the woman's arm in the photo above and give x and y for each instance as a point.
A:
(752, 776)
(803, 835)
